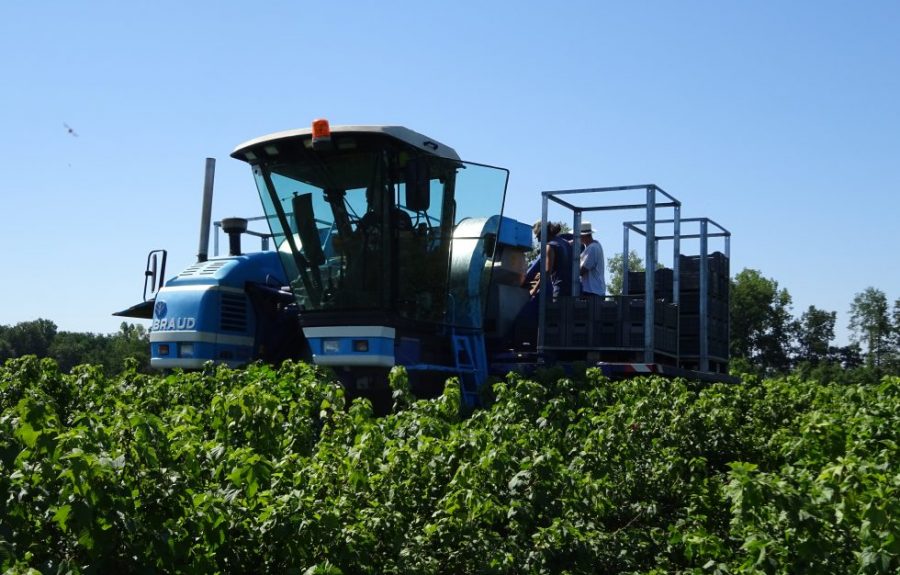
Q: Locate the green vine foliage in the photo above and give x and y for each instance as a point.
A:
(270, 470)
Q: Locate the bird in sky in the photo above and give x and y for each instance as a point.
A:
(70, 130)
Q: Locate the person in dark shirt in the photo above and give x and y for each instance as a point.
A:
(557, 260)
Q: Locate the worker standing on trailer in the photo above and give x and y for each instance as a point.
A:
(558, 257)
(593, 280)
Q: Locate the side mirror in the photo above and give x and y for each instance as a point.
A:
(417, 176)
(155, 274)
(305, 220)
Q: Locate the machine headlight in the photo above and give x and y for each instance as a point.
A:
(331, 346)
(187, 350)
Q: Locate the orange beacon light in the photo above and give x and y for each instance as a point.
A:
(321, 131)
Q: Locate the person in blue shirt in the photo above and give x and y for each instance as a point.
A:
(557, 260)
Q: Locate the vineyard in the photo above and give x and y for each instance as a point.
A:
(267, 470)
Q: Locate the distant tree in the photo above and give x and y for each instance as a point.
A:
(614, 270)
(871, 325)
(72, 348)
(815, 331)
(68, 349)
(6, 350)
(896, 322)
(896, 318)
(31, 337)
(761, 324)
(893, 358)
(132, 340)
(848, 356)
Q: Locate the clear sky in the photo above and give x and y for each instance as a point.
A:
(779, 120)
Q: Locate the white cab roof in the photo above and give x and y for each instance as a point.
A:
(406, 135)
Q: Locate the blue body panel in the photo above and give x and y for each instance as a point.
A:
(204, 313)
(514, 233)
(353, 351)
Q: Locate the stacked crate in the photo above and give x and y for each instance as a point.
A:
(556, 323)
(717, 282)
(665, 325)
(665, 313)
(613, 323)
(607, 323)
(688, 329)
(579, 312)
(573, 322)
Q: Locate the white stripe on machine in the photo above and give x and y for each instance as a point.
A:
(350, 331)
(369, 360)
(200, 336)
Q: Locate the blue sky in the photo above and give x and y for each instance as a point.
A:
(779, 120)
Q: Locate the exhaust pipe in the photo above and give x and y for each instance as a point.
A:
(206, 211)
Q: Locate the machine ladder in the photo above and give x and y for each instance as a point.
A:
(471, 365)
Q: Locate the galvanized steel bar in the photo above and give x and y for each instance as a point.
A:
(624, 263)
(704, 299)
(635, 228)
(576, 253)
(625, 207)
(560, 202)
(676, 256)
(543, 280)
(692, 236)
(649, 273)
(676, 280)
(599, 190)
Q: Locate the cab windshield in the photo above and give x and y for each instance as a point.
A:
(369, 224)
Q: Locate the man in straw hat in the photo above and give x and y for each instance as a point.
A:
(593, 282)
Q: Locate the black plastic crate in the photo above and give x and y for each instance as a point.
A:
(579, 309)
(578, 333)
(664, 313)
(669, 315)
(689, 346)
(607, 310)
(663, 283)
(606, 334)
(665, 339)
(633, 335)
(555, 324)
(716, 262)
(690, 305)
(633, 310)
(637, 283)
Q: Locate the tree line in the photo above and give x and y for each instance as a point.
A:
(768, 339)
(42, 338)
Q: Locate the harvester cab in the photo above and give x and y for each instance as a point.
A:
(388, 240)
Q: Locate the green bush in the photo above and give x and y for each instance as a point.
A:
(267, 470)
